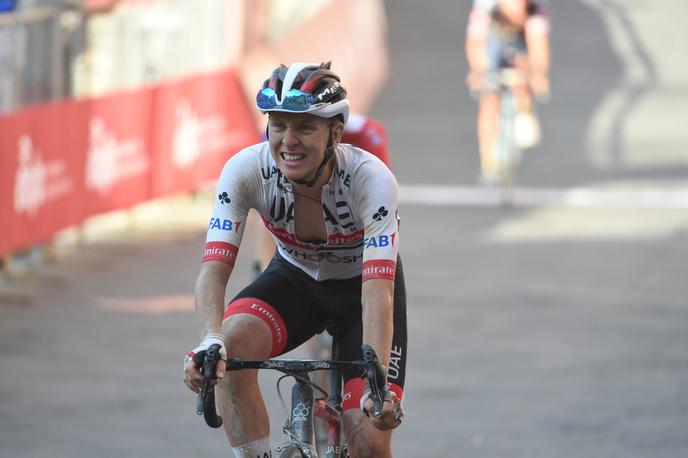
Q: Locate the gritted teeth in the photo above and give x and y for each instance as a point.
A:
(292, 156)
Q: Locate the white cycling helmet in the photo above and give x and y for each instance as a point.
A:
(304, 88)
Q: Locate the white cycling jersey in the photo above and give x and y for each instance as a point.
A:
(359, 208)
(485, 15)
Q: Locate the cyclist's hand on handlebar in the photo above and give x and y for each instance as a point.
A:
(475, 80)
(194, 360)
(378, 401)
(392, 412)
(539, 84)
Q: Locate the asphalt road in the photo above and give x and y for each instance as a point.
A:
(534, 331)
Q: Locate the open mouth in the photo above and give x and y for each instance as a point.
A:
(292, 158)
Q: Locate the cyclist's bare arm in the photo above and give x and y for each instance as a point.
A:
(477, 31)
(476, 53)
(225, 231)
(537, 39)
(377, 300)
(210, 295)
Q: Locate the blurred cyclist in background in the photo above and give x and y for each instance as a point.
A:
(360, 131)
(507, 34)
(367, 134)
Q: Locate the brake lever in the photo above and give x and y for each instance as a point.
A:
(205, 402)
(376, 378)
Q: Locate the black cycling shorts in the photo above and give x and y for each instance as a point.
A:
(297, 307)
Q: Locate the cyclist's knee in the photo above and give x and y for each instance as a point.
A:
(253, 329)
(246, 336)
(364, 439)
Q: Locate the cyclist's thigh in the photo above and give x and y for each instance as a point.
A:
(352, 339)
(280, 297)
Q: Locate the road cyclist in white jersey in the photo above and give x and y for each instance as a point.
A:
(360, 131)
(332, 211)
(507, 34)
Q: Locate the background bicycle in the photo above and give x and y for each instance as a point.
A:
(517, 129)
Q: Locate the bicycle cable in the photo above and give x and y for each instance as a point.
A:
(284, 404)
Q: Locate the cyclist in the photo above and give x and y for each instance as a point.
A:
(331, 209)
(360, 131)
(507, 34)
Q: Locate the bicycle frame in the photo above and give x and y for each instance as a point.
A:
(299, 426)
(507, 151)
(508, 154)
(331, 411)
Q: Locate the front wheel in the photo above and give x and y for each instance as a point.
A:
(290, 451)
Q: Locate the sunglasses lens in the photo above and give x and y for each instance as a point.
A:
(266, 99)
(295, 100)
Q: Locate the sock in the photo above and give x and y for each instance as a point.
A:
(259, 448)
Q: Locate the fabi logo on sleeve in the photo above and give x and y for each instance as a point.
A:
(379, 241)
(224, 224)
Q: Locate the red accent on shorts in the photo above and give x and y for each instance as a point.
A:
(353, 392)
(379, 268)
(220, 251)
(265, 312)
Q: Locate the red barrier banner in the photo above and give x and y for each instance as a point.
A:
(6, 191)
(60, 163)
(199, 123)
(41, 179)
(118, 156)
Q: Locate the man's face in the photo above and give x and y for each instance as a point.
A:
(514, 10)
(298, 142)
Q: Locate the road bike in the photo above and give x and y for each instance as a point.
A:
(305, 404)
(508, 152)
(516, 130)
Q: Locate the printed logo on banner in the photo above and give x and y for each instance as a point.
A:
(37, 181)
(111, 159)
(186, 147)
(195, 136)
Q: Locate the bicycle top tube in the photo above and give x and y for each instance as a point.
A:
(293, 365)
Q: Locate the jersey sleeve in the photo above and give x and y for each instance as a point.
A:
(484, 5)
(378, 203)
(235, 194)
(479, 18)
(538, 17)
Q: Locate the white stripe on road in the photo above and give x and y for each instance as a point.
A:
(476, 196)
